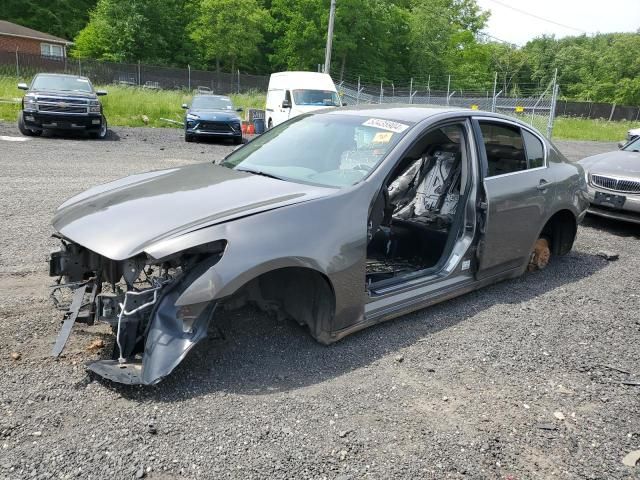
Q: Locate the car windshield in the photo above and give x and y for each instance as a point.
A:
(211, 103)
(59, 82)
(325, 98)
(324, 149)
(633, 146)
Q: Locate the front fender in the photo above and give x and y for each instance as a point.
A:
(214, 285)
(168, 337)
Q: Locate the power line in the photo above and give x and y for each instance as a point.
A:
(523, 12)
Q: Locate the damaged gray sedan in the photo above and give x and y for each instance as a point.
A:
(337, 219)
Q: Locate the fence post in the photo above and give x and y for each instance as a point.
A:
(448, 87)
(139, 76)
(358, 92)
(554, 98)
(410, 90)
(429, 90)
(238, 81)
(79, 68)
(613, 109)
(381, 92)
(189, 73)
(17, 64)
(495, 84)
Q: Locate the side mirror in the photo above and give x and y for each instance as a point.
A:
(185, 106)
(101, 93)
(239, 109)
(23, 86)
(286, 104)
(621, 144)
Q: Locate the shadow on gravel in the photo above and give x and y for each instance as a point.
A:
(614, 227)
(249, 353)
(112, 136)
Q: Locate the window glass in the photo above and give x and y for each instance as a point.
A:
(322, 149)
(535, 150)
(504, 147)
(207, 102)
(326, 98)
(45, 81)
(49, 50)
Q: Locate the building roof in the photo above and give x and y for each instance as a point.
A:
(15, 30)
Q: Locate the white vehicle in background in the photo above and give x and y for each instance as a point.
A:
(633, 133)
(293, 93)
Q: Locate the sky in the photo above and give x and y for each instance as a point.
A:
(571, 17)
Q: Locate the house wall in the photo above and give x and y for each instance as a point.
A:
(24, 45)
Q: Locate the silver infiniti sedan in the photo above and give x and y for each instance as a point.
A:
(337, 219)
(614, 183)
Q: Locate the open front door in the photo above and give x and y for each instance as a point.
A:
(515, 185)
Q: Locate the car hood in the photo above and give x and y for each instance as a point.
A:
(217, 115)
(616, 164)
(120, 219)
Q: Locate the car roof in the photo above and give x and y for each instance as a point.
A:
(209, 95)
(60, 75)
(416, 112)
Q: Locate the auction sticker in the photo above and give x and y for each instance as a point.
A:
(382, 137)
(389, 125)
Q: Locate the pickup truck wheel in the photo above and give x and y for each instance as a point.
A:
(103, 132)
(270, 124)
(27, 132)
(188, 138)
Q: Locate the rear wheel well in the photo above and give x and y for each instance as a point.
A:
(561, 231)
(302, 294)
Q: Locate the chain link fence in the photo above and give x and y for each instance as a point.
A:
(537, 108)
(538, 105)
(25, 65)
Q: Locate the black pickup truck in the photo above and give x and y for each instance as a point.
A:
(61, 102)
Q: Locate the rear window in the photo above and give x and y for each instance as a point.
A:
(505, 148)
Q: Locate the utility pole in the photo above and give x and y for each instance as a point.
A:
(327, 55)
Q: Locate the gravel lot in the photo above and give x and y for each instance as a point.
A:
(519, 380)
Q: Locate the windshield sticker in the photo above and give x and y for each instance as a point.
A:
(382, 137)
(389, 125)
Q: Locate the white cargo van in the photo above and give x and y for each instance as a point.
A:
(293, 93)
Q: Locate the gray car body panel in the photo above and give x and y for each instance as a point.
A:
(619, 164)
(270, 224)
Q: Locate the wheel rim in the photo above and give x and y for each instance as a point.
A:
(103, 130)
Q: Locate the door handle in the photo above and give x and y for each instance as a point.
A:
(543, 185)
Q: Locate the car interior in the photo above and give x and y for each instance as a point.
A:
(413, 220)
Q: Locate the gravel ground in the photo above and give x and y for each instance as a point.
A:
(519, 380)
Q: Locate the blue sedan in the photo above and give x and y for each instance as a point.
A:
(212, 116)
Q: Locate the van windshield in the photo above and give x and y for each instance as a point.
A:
(325, 98)
(323, 149)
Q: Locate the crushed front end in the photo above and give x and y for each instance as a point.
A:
(137, 297)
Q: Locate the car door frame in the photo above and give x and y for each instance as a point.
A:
(454, 273)
(519, 235)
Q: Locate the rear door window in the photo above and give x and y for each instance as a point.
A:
(534, 148)
(505, 148)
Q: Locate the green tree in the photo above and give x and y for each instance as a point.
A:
(63, 18)
(228, 32)
(151, 31)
